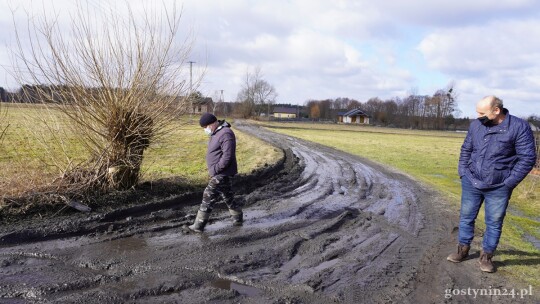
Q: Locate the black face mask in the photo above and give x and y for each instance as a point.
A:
(485, 120)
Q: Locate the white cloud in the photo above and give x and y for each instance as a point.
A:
(455, 13)
(499, 58)
(306, 49)
(479, 49)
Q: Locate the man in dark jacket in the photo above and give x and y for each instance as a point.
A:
(222, 166)
(497, 154)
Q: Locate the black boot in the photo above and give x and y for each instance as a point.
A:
(237, 216)
(200, 221)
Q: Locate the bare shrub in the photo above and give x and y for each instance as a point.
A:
(117, 82)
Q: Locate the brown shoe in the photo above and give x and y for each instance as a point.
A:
(486, 264)
(460, 255)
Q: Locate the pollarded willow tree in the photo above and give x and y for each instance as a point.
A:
(117, 77)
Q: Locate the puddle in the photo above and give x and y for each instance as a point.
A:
(534, 241)
(124, 245)
(218, 225)
(270, 222)
(166, 239)
(254, 214)
(245, 290)
(226, 222)
(517, 212)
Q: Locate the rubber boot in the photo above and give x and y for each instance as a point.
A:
(237, 216)
(486, 264)
(200, 221)
(460, 255)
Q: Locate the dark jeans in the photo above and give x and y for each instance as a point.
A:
(219, 189)
(495, 204)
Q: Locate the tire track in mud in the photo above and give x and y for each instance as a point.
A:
(343, 253)
(323, 226)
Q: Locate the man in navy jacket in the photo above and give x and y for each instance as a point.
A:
(497, 154)
(222, 166)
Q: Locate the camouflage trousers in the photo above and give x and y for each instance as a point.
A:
(219, 189)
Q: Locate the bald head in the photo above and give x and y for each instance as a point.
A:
(492, 107)
(491, 102)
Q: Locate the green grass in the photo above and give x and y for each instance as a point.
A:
(26, 162)
(432, 157)
(26, 149)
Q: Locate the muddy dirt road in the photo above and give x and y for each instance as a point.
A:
(321, 227)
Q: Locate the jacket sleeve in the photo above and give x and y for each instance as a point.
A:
(465, 154)
(228, 147)
(526, 157)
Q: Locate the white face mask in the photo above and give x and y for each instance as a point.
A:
(208, 130)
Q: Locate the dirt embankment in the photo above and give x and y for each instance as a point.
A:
(322, 226)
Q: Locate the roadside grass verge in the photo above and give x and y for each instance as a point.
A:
(432, 158)
(38, 145)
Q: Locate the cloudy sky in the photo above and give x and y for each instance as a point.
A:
(315, 49)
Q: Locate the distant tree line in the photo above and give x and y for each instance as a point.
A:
(435, 112)
(257, 99)
(37, 94)
(414, 111)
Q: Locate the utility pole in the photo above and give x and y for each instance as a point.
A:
(191, 90)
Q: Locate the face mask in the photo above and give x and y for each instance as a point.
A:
(208, 131)
(484, 120)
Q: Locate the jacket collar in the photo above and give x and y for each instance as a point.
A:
(222, 124)
(503, 126)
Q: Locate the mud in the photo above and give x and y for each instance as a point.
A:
(321, 226)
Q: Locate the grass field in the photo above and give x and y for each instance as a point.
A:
(431, 157)
(26, 162)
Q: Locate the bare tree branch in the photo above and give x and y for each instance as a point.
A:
(255, 93)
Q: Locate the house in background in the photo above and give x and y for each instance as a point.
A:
(355, 116)
(202, 105)
(197, 105)
(285, 112)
